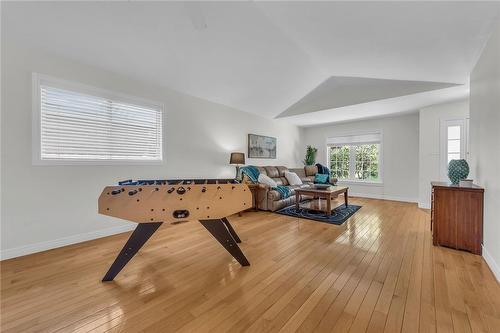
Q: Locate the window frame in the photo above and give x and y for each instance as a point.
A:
(464, 143)
(41, 79)
(352, 159)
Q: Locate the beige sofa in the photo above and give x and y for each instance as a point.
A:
(270, 199)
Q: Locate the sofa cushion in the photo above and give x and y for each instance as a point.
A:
(262, 170)
(272, 171)
(292, 178)
(282, 181)
(311, 170)
(264, 179)
(309, 179)
(299, 171)
(274, 205)
(274, 195)
(282, 170)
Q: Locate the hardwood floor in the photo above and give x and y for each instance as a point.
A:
(377, 272)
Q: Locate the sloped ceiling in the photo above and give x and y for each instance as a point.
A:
(267, 58)
(340, 91)
(379, 108)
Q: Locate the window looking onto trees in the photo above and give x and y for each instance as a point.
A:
(339, 162)
(355, 162)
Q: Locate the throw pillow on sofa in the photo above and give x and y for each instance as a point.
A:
(264, 179)
(320, 179)
(292, 178)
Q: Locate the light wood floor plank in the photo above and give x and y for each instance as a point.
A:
(427, 321)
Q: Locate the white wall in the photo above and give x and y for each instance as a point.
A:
(48, 206)
(429, 155)
(485, 143)
(400, 154)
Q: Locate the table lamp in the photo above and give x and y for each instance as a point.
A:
(238, 159)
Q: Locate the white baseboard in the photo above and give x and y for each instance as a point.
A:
(382, 197)
(424, 205)
(396, 198)
(495, 268)
(52, 244)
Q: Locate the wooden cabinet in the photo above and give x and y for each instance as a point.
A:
(457, 216)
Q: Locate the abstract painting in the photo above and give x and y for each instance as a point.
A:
(260, 146)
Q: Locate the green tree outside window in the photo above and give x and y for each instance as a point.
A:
(360, 162)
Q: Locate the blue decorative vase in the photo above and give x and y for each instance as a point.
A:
(458, 170)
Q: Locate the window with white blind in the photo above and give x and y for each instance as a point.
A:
(355, 157)
(79, 124)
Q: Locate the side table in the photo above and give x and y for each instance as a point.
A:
(254, 188)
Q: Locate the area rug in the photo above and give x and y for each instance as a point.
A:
(339, 215)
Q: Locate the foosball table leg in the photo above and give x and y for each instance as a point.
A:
(220, 230)
(139, 237)
(231, 230)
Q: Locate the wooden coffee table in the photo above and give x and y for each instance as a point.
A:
(328, 194)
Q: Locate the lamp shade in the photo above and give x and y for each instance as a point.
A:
(237, 158)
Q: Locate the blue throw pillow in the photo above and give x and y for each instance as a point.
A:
(321, 179)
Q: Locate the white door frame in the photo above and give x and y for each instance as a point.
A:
(443, 151)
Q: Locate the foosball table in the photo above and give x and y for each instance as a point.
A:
(151, 203)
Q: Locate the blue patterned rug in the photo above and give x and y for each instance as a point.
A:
(339, 215)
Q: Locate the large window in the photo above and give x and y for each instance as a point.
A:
(82, 124)
(355, 157)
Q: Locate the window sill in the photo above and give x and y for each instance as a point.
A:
(85, 162)
(360, 182)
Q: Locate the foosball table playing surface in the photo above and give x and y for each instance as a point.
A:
(151, 203)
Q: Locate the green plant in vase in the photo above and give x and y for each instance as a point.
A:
(310, 158)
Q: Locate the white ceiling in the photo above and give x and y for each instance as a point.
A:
(264, 57)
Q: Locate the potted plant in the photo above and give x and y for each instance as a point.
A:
(310, 158)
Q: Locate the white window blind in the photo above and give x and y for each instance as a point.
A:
(354, 139)
(77, 126)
